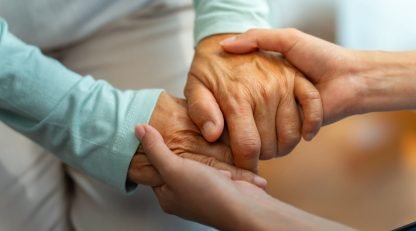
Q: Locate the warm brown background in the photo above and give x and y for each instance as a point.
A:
(360, 171)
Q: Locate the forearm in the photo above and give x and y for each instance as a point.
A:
(388, 81)
(86, 123)
(278, 215)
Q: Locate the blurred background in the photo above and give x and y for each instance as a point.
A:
(360, 171)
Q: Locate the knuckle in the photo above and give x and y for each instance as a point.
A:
(267, 92)
(235, 106)
(210, 161)
(248, 148)
(288, 143)
(182, 142)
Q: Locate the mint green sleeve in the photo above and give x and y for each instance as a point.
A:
(87, 123)
(229, 16)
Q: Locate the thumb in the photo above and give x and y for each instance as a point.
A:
(203, 109)
(278, 40)
(161, 157)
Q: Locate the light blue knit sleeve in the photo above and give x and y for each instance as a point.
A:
(85, 122)
(229, 16)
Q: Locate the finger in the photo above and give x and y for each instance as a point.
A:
(141, 171)
(219, 151)
(203, 109)
(310, 100)
(266, 122)
(161, 157)
(288, 125)
(236, 173)
(280, 40)
(244, 137)
(194, 143)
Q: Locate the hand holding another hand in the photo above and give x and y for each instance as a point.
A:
(328, 66)
(170, 118)
(206, 195)
(198, 192)
(257, 95)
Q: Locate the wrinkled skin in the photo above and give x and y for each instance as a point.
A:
(255, 96)
(170, 118)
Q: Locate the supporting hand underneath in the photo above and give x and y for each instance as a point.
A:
(212, 197)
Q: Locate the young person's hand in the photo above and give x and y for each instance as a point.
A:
(328, 66)
(204, 194)
(349, 82)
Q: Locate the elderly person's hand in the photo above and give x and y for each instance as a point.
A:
(349, 82)
(170, 118)
(328, 66)
(257, 98)
(200, 193)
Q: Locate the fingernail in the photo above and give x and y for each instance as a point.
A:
(140, 131)
(228, 41)
(260, 181)
(208, 129)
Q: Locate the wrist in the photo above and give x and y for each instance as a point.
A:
(242, 215)
(277, 215)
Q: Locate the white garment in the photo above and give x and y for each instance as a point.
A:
(143, 50)
(134, 52)
(32, 186)
(54, 23)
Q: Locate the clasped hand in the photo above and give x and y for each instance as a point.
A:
(180, 134)
(265, 104)
(255, 96)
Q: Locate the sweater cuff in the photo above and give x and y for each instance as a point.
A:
(126, 143)
(229, 16)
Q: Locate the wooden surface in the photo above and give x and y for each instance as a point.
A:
(360, 172)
